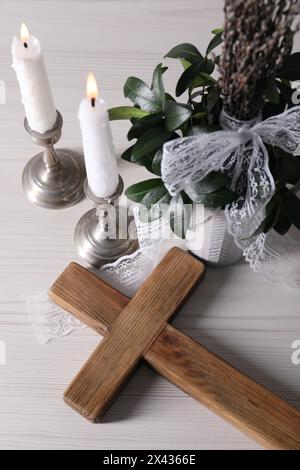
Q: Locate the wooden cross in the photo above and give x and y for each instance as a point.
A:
(139, 328)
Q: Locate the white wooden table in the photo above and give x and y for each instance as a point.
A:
(246, 319)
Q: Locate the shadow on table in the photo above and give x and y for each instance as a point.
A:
(142, 385)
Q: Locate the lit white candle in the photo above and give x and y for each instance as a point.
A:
(31, 73)
(99, 153)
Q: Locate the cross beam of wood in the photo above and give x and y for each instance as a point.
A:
(138, 328)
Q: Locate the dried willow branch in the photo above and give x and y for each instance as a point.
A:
(258, 35)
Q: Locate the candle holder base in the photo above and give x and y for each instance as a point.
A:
(53, 179)
(58, 186)
(98, 252)
(91, 238)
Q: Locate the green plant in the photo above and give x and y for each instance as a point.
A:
(157, 117)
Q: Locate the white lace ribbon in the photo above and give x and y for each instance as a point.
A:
(239, 150)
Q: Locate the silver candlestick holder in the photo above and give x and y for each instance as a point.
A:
(99, 237)
(53, 179)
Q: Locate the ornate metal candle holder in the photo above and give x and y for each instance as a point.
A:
(53, 179)
(98, 234)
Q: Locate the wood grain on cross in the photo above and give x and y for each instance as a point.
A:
(139, 328)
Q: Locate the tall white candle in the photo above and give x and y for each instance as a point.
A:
(99, 153)
(31, 73)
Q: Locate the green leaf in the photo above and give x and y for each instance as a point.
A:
(292, 206)
(141, 95)
(212, 98)
(271, 109)
(169, 97)
(176, 114)
(185, 63)
(290, 69)
(288, 167)
(185, 51)
(216, 41)
(213, 182)
(139, 126)
(271, 215)
(218, 30)
(199, 115)
(179, 217)
(218, 198)
(153, 197)
(126, 112)
(127, 154)
(156, 196)
(138, 191)
(203, 79)
(145, 161)
(150, 141)
(156, 212)
(209, 66)
(212, 191)
(187, 77)
(217, 59)
(156, 163)
(157, 84)
(282, 223)
(272, 93)
(285, 91)
(212, 104)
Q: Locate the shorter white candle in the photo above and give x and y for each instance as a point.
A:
(99, 153)
(31, 73)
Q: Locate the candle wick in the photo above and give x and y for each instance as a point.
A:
(25, 45)
(93, 102)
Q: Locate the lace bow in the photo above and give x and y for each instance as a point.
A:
(239, 150)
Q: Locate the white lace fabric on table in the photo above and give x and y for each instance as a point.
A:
(50, 322)
(239, 150)
(281, 261)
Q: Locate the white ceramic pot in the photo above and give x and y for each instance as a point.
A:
(210, 240)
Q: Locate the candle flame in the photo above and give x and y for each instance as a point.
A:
(91, 87)
(24, 33)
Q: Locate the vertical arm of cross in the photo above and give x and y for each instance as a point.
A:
(132, 334)
(247, 405)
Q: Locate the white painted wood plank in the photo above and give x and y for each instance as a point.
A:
(150, 412)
